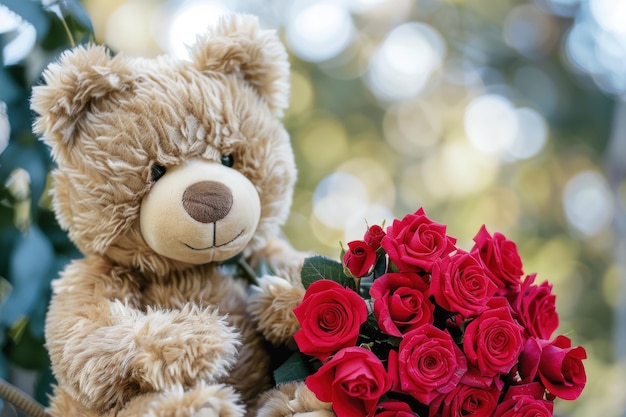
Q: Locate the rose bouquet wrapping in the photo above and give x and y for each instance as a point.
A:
(409, 324)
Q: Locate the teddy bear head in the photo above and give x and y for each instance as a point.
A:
(167, 162)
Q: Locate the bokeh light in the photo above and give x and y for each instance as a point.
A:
(319, 30)
(494, 126)
(457, 170)
(531, 135)
(596, 44)
(491, 123)
(326, 134)
(405, 61)
(177, 26)
(588, 203)
(610, 14)
(412, 126)
(563, 8)
(129, 27)
(336, 197)
(364, 6)
(530, 30)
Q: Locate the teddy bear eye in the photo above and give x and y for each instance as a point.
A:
(157, 172)
(228, 160)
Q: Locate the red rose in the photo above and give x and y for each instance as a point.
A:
(373, 236)
(394, 408)
(354, 379)
(534, 390)
(428, 363)
(465, 400)
(537, 309)
(558, 365)
(359, 259)
(493, 340)
(400, 303)
(330, 316)
(524, 406)
(415, 242)
(460, 285)
(501, 259)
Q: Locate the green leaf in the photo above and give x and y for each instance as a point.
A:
(9, 92)
(294, 369)
(30, 270)
(372, 321)
(43, 386)
(78, 12)
(321, 267)
(5, 289)
(29, 352)
(381, 265)
(3, 364)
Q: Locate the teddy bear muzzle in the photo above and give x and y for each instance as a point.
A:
(200, 212)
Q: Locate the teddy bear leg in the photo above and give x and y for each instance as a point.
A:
(292, 399)
(63, 405)
(204, 400)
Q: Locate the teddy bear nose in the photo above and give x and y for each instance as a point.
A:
(207, 201)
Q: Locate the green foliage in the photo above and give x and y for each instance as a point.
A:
(321, 267)
(294, 369)
(34, 248)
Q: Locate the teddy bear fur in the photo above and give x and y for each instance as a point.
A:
(166, 169)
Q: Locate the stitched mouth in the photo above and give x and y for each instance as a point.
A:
(216, 246)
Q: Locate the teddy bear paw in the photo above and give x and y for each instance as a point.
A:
(206, 412)
(219, 407)
(293, 399)
(271, 307)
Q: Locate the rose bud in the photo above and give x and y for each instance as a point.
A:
(360, 258)
(557, 364)
(373, 236)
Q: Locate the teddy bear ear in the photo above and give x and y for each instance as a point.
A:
(71, 84)
(237, 44)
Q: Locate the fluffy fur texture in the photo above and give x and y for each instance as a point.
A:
(165, 169)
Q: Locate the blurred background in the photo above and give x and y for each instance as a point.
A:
(508, 113)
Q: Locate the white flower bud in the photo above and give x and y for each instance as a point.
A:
(19, 184)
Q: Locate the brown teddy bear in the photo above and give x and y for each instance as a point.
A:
(166, 170)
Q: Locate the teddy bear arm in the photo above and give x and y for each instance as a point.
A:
(271, 304)
(292, 399)
(283, 260)
(91, 351)
(104, 352)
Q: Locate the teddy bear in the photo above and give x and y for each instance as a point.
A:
(167, 171)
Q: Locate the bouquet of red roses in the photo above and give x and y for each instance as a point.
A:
(411, 325)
